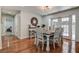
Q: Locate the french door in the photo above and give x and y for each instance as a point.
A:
(67, 23)
(69, 28)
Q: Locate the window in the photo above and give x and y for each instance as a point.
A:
(65, 19)
(65, 30)
(55, 20)
(67, 23)
(73, 18)
(65, 26)
(73, 26)
(55, 23)
(49, 22)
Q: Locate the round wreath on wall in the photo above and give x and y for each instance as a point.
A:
(34, 21)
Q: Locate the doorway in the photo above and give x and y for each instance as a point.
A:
(7, 33)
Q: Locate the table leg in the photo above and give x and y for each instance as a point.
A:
(29, 34)
(35, 40)
(47, 47)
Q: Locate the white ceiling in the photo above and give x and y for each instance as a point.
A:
(54, 9)
(35, 9)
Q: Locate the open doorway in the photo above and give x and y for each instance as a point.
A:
(7, 33)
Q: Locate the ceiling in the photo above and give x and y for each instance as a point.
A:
(34, 9)
(54, 9)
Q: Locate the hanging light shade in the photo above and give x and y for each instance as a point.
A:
(46, 8)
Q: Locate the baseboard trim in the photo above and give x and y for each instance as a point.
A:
(77, 42)
(27, 38)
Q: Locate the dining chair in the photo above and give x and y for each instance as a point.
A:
(61, 35)
(39, 38)
(36, 30)
(57, 36)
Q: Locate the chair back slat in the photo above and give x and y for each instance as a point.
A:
(58, 32)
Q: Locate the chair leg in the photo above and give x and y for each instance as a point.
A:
(54, 44)
(37, 43)
(59, 42)
(42, 46)
(38, 47)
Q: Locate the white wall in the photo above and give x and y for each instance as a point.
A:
(17, 25)
(21, 22)
(63, 14)
(0, 31)
(25, 21)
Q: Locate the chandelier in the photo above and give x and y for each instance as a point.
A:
(46, 8)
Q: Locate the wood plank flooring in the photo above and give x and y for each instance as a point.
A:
(27, 46)
(77, 47)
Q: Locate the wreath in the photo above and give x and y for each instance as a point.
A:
(34, 21)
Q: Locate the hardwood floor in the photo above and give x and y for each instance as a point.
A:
(27, 46)
(77, 47)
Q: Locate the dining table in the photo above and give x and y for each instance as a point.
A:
(48, 34)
